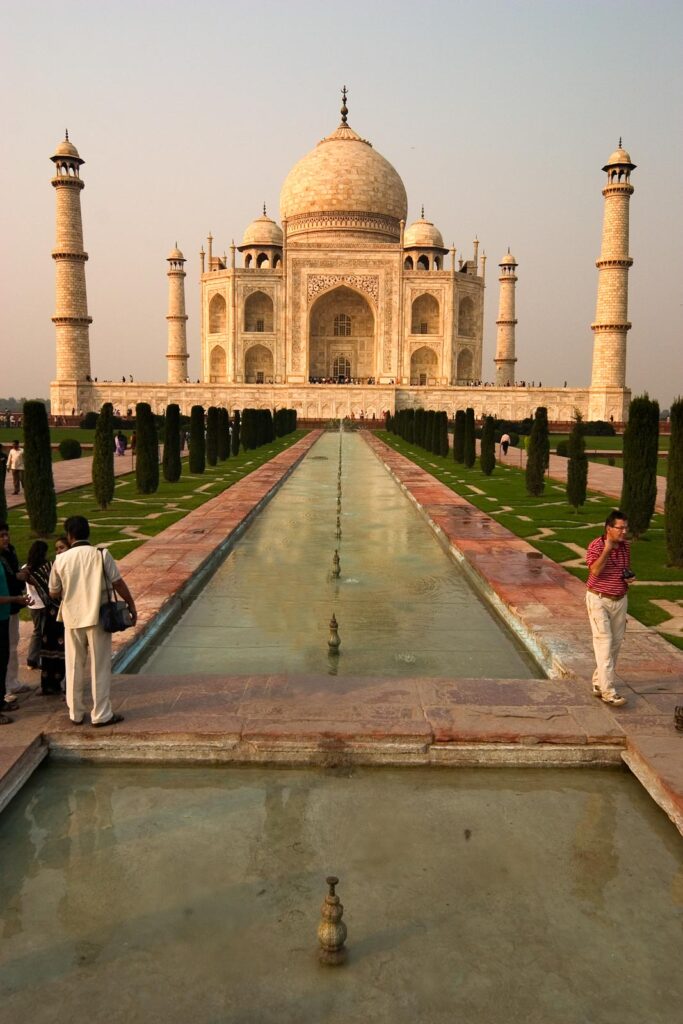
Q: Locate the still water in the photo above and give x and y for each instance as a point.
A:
(191, 896)
(404, 608)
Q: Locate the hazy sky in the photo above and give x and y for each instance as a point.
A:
(497, 115)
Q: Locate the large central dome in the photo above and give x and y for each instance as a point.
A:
(344, 188)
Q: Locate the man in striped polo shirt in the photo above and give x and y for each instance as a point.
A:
(609, 565)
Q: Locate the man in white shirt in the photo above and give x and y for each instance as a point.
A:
(15, 462)
(78, 579)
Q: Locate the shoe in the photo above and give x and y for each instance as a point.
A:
(79, 722)
(6, 720)
(33, 664)
(114, 720)
(9, 705)
(23, 688)
(613, 698)
(597, 692)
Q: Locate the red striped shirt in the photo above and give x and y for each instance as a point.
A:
(611, 579)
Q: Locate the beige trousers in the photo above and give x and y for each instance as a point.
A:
(608, 625)
(83, 645)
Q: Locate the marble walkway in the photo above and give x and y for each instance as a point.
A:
(333, 720)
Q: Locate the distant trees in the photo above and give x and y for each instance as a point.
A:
(172, 464)
(673, 503)
(469, 448)
(197, 445)
(103, 457)
(487, 458)
(39, 486)
(212, 435)
(146, 450)
(577, 466)
(641, 443)
(459, 436)
(538, 453)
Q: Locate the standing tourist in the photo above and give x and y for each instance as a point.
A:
(15, 462)
(48, 653)
(8, 601)
(78, 579)
(36, 574)
(609, 564)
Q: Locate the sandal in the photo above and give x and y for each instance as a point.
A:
(614, 699)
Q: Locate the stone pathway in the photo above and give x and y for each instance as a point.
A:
(335, 720)
(605, 479)
(71, 473)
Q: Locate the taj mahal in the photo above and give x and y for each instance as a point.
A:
(342, 309)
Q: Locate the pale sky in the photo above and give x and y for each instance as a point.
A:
(497, 115)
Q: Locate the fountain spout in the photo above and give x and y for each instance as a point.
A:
(332, 930)
(334, 642)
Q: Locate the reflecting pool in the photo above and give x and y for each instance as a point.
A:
(404, 607)
(143, 895)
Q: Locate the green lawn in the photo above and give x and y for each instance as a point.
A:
(133, 517)
(662, 463)
(606, 444)
(551, 526)
(57, 434)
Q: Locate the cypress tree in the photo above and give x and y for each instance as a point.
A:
(537, 453)
(673, 503)
(641, 442)
(223, 434)
(172, 464)
(147, 450)
(487, 458)
(236, 431)
(459, 436)
(247, 429)
(429, 429)
(39, 486)
(577, 466)
(103, 457)
(443, 434)
(470, 447)
(197, 444)
(410, 426)
(212, 435)
(418, 426)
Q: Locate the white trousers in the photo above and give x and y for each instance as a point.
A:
(608, 625)
(12, 680)
(83, 645)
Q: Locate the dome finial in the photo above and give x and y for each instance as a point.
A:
(422, 212)
(66, 134)
(264, 210)
(344, 108)
(620, 146)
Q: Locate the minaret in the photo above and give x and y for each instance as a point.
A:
(611, 314)
(71, 319)
(177, 318)
(505, 342)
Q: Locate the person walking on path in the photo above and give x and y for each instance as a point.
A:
(78, 579)
(7, 602)
(15, 463)
(505, 443)
(609, 564)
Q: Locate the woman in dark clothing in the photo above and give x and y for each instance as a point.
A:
(52, 632)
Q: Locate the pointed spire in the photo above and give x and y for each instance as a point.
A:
(344, 108)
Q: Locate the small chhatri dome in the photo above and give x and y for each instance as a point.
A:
(619, 158)
(175, 254)
(508, 260)
(343, 184)
(262, 231)
(66, 149)
(422, 235)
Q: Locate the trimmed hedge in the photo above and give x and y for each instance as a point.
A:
(39, 485)
(103, 456)
(146, 450)
(70, 448)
